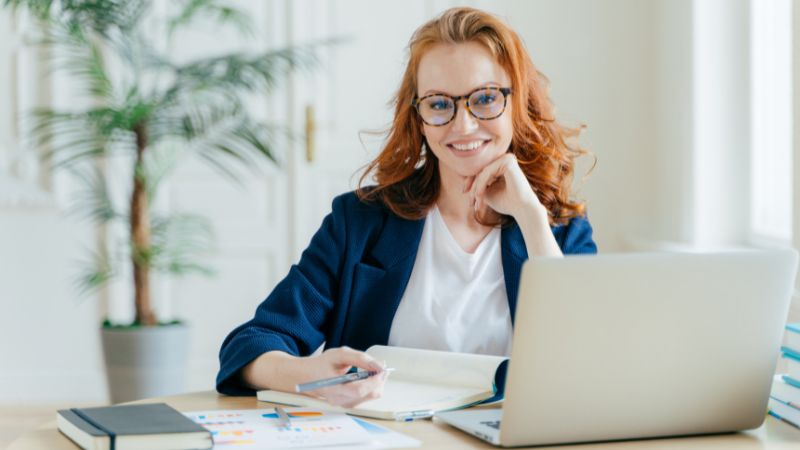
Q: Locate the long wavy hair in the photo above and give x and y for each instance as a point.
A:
(407, 176)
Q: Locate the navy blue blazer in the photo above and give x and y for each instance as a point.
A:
(346, 288)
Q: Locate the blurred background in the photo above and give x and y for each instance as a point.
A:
(687, 106)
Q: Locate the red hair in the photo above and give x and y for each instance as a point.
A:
(408, 180)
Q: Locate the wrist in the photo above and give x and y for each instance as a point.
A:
(270, 370)
(533, 217)
(537, 233)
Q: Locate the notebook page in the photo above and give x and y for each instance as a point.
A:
(438, 367)
(403, 396)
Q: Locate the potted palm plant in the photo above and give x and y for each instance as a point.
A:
(143, 112)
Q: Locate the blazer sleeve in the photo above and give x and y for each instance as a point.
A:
(577, 237)
(293, 316)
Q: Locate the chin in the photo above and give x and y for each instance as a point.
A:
(475, 165)
(469, 171)
(466, 166)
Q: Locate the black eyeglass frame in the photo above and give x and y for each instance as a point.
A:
(505, 91)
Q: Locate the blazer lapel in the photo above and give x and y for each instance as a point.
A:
(514, 254)
(379, 282)
(398, 242)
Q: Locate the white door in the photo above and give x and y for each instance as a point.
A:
(349, 96)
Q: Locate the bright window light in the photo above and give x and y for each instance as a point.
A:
(771, 109)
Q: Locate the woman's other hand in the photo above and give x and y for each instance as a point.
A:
(338, 361)
(282, 372)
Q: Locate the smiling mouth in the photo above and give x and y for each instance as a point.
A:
(474, 145)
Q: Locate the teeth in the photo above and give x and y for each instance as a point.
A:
(466, 147)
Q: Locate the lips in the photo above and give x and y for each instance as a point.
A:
(468, 148)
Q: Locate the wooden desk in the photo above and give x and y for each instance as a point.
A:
(773, 435)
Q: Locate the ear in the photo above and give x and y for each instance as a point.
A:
(422, 128)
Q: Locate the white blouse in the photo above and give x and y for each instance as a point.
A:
(455, 301)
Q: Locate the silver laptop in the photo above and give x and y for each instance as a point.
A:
(640, 345)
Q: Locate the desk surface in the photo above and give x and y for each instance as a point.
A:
(773, 435)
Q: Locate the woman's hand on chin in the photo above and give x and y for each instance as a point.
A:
(502, 186)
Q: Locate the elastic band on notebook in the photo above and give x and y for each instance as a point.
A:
(112, 436)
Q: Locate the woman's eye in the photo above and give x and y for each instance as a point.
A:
(439, 105)
(485, 99)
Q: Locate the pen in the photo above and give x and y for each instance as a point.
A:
(346, 378)
(283, 417)
(408, 416)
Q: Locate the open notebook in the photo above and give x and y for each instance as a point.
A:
(422, 380)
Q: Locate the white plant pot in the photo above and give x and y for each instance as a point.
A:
(145, 362)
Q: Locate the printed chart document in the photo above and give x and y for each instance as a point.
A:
(422, 380)
(261, 429)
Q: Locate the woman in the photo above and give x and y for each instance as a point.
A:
(474, 179)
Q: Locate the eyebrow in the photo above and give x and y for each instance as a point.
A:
(440, 91)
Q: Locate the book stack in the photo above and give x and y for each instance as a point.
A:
(784, 399)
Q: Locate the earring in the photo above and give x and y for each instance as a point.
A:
(423, 153)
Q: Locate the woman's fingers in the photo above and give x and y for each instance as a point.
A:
(468, 184)
(486, 177)
(348, 357)
(352, 394)
(340, 360)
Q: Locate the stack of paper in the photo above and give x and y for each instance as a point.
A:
(262, 429)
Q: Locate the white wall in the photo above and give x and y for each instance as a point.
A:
(49, 337)
(600, 59)
(673, 75)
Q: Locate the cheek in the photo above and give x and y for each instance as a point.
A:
(503, 129)
(434, 136)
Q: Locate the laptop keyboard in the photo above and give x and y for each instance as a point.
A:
(492, 423)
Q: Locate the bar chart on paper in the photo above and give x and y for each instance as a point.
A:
(262, 429)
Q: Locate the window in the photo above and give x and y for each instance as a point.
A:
(771, 121)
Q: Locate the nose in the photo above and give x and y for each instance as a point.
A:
(464, 122)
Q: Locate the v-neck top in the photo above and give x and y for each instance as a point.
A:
(455, 300)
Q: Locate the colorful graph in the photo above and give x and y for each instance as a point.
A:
(234, 437)
(296, 414)
(264, 430)
(309, 429)
(222, 423)
(218, 416)
(260, 430)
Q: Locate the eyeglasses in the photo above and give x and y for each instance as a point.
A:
(484, 103)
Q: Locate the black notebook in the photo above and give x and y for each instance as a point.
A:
(127, 427)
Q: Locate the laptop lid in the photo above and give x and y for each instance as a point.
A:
(643, 345)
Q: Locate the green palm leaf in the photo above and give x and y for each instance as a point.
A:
(241, 72)
(96, 272)
(100, 16)
(194, 9)
(179, 241)
(93, 201)
(79, 56)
